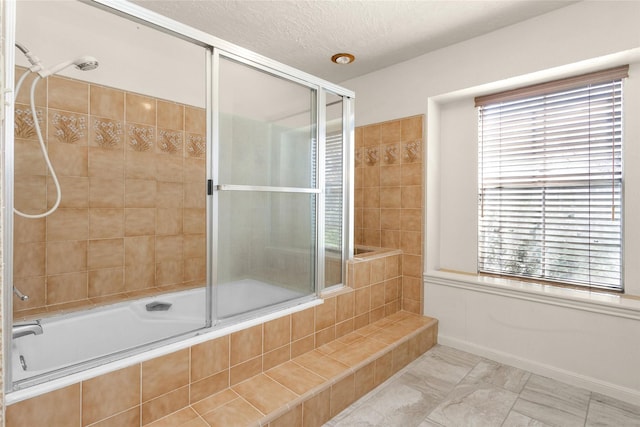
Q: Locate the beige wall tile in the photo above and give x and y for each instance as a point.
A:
(390, 197)
(295, 377)
(303, 345)
(75, 191)
(28, 159)
(392, 267)
(364, 380)
(105, 253)
(106, 223)
(27, 230)
(244, 370)
(411, 220)
(362, 300)
(140, 109)
(344, 328)
(139, 276)
(106, 102)
(412, 265)
(342, 394)
(169, 168)
(66, 257)
(139, 250)
(362, 274)
(60, 408)
(412, 174)
(194, 245)
(371, 218)
(411, 128)
(411, 288)
(371, 197)
(195, 270)
(69, 287)
(164, 374)
(130, 418)
(194, 221)
(195, 120)
(377, 295)
(29, 259)
(139, 222)
(30, 194)
(140, 165)
(371, 135)
(140, 193)
(302, 324)
(67, 94)
(390, 132)
(110, 394)
(390, 176)
(325, 336)
(207, 386)
(69, 160)
(411, 242)
(238, 412)
(277, 333)
(292, 418)
(68, 224)
(276, 357)
(170, 115)
(106, 192)
(317, 410)
(169, 273)
(106, 281)
(245, 345)
(377, 269)
(168, 221)
(412, 197)
(168, 248)
(371, 176)
(325, 315)
(391, 289)
(164, 405)
(106, 163)
(390, 239)
(169, 195)
(344, 306)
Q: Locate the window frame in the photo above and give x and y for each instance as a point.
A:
(544, 90)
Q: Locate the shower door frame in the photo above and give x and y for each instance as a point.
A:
(156, 21)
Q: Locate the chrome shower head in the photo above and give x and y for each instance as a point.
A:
(83, 63)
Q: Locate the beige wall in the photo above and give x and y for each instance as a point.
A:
(131, 219)
(388, 196)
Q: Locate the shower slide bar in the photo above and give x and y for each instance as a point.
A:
(231, 187)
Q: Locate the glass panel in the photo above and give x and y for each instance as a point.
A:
(124, 255)
(334, 171)
(266, 129)
(266, 249)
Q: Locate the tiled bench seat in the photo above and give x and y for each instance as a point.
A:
(310, 389)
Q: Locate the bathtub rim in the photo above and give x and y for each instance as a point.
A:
(195, 337)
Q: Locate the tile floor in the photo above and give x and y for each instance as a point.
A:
(449, 387)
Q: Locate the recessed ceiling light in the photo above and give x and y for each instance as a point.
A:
(343, 58)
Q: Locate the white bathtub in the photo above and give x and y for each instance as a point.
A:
(76, 338)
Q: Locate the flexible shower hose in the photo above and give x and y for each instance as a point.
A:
(36, 125)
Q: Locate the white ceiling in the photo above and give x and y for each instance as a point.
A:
(306, 33)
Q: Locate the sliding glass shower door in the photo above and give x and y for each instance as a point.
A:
(265, 189)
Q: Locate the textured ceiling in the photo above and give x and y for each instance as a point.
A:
(305, 34)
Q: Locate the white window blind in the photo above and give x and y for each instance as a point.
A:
(334, 193)
(550, 182)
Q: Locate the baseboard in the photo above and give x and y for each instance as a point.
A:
(618, 392)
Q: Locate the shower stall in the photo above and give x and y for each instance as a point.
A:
(183, 186)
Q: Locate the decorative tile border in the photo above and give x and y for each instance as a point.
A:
(170, 141)
(24, 125)
(372, 156)
(411, 151)
(196, 145)
(390, 154)
(69, 128)
(140, 138)
(107, 133)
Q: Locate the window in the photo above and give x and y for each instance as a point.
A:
(550, 181)
(334, 193)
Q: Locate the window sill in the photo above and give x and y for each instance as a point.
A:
(593, 301)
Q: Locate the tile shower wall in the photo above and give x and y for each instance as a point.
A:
(132, 215)
(388, 196)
